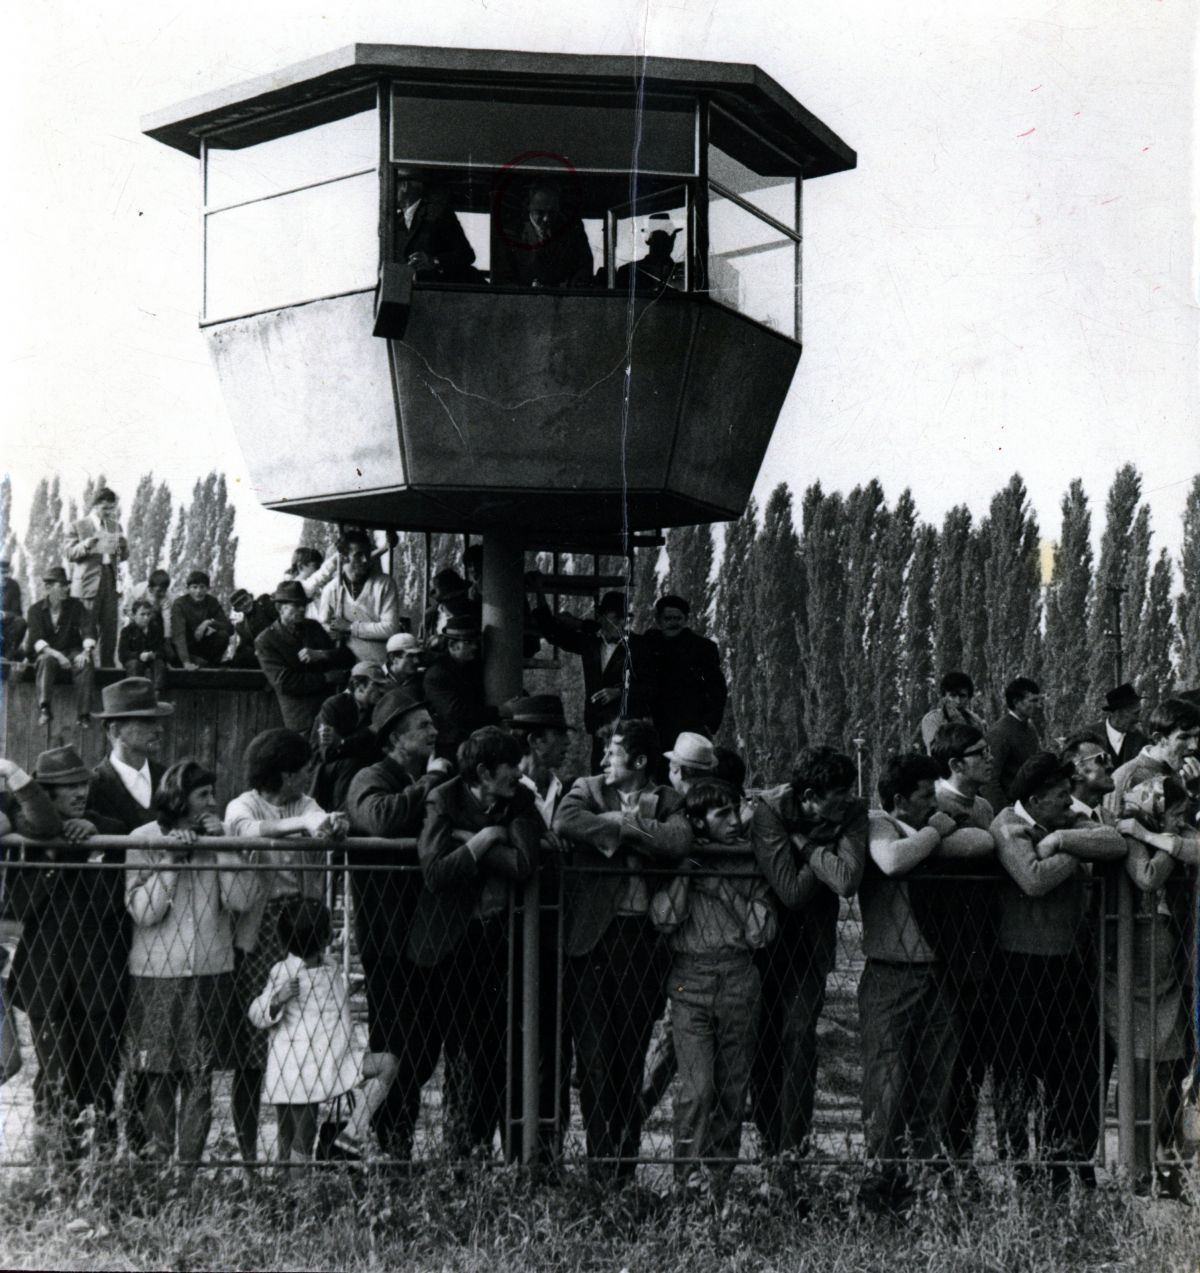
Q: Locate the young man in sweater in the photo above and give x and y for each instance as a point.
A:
(1045, 989)
(907, 997)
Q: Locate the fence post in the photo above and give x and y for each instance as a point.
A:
(530, 1049)
(1126, 1079)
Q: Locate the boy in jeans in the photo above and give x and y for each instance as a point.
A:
(717, 913)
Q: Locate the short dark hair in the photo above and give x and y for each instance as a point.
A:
(822, 769)
(1018, 688)
(272, 754)
(902, 774)
(1083, 739)
(103, 495)
(706, 795)
(950, 742)
(1039, 774)
(490, 747)
(304, 556)
(198, 576)
(673, 601)
(171, 799)
(731, 768)
(354, 536)
(956, 682)
(473, 556)
(158, 577)
(305, 926)
(142, 603)
(1173, 715)
(639, 737)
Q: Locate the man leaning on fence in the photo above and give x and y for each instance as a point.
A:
(810, 840)
(616, 962)
(907, 1003)
(1045, 990)
(387, 800)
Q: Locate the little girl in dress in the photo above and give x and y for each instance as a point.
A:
(312, 1055)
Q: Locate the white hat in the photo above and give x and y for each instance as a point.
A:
(402, 643)
(693, 750)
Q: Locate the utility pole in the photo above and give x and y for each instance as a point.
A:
(1115, 592)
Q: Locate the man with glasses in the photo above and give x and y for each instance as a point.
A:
(1087, 754)
(962, 912)
(957, 690)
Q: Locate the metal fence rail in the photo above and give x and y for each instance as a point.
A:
(134, 981)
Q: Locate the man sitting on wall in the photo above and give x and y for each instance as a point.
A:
(199, 627)
(62, 634)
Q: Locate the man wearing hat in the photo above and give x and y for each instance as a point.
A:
(689, 688)
(96, 547)
(250, 616)
(1119, 729)
(300, 659)
(69, 970)
(616, 679)
(387, 799)
(454, 687)
(692, 758)
(343, 741)
(1045, 990)
(403, 653)
(62, 634)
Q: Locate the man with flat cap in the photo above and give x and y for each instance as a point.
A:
(62, 634)
(616, 679)
(689, 686)
(454, 687)
(300, 659)
(96, 547)
(343, 741)
(1120, 729)
(403, 663)
(69, 970)
(387, 799)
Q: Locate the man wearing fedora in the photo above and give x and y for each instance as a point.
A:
(62, 634)
(616, 679)
(1119, 730)
(454, 687)
(387, 799)
(96, 547)
(69, 970)
(343, 741)
(124, 783)
(300, 659)
(691, 759)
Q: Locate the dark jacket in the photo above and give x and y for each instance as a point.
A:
(12, 598)
(133, 642)
(300, 687)
(658, 834)
(1131, 744)
(187, 615)
(436, 231)
(1012, 742)
(456, 701)
(563, 260)
(627, 670)
(809, 864)
(689, 685)
(74, 927)
(75, 625)
(456, 885)
(355, 747)
(256, 618)
(386, 800)
(38, 814)
(109, 799)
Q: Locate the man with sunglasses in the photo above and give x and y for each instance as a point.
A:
(1093, 764)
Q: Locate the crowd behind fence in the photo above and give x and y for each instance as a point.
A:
(511, 1046)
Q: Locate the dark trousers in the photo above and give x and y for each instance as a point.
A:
(12, 636)
(909, 1045)
(404, 1018)
(976, 1046)
(616, 992)
(155, 671)
(104, 612)
(783, 1078)
(46, 674)
(1047, 1057)
(714, 1011)
(472, 999)
(78, 1059)
(208, 651)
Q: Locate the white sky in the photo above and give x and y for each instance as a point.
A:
(1005, 282)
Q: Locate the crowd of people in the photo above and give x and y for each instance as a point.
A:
(983, 878)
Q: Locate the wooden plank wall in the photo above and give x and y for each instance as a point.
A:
(216, 715)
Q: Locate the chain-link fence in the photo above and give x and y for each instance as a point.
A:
(166, 996)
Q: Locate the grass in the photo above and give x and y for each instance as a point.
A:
(495, 1220)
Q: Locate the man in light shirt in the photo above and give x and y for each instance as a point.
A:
(361, 605)
(1119, 730)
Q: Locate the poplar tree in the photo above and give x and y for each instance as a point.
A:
(823, 687)
(689, 572)
(1187, 603)
(1065, 676)
(887, 728)
(44, 540)
(148, 526)
(864, 524)
(10, 545)
(319, 535)
(972, 609)
(1156, 635)
(917, 686)
(1012, 589)
(777, 597)
(735, 629)
(948, 643)
(1114, 575)
(645, 589)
